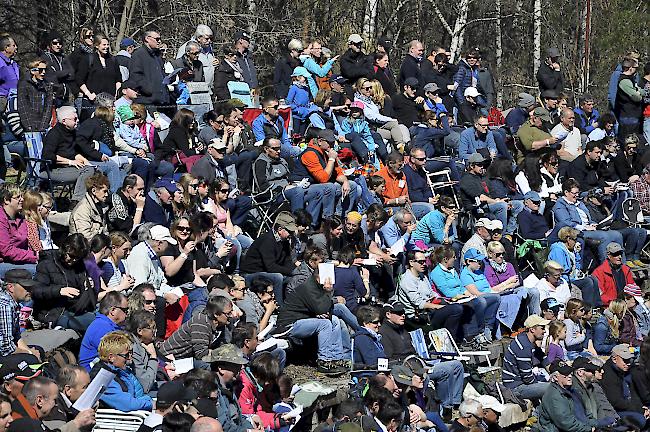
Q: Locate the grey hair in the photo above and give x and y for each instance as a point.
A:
(67, 375)
(400, 214)
(35, 387)
(295, 44)
(203, 30)
(144, 231)
(469, 407)
(65, 112)
(190, 44)
(105, 100)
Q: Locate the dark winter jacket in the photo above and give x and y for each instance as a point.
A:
(93, 129)
(618, 388)
(98, 78)
(266, 254)
(224, 74)
(309, 300)
(176, 140)
(147, 74)
(396, 341)
(282, 75)
(558, 412)
(35, 103)
(355, 65)
(59, 141)
(51, 276)
(410, 69)
(367, 349)
(549, 79)
(60, 74)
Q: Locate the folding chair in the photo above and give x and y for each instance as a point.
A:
(35, 168)
(447, 184)
(110, 420)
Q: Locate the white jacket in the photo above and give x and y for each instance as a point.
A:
(144, 269)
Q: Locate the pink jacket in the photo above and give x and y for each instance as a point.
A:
(249, 402)
(14, 248)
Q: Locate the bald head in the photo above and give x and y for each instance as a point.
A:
(415, 48)
(206, 424)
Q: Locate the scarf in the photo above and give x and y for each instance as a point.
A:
(87, 49)
(499, 268)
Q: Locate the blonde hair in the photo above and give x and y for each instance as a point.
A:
(495, 246)
(360, 83)
(573, 305)
(554, 329)
(618, 308)
(118, 238)
(32, 200)
(321, 97)
(105, 114)
(185, 181)
(567, 232)
(114, 343)
(378, 94)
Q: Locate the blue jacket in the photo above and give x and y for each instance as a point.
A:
(516, 118)
(560, 254)
(430, 229)
(464, 77)
(566, 214)
(447, 281)
(300, 101)
(532, 225)
(367, 348)
(418, 186)
(90, 343)
(584, 122)
(315, 69)
(361, 128)
(426, 137)
(470, 143)
(604, 341)
(261, 125)
(155, 212)
(229, 412)
(390, 233)
(125, 392)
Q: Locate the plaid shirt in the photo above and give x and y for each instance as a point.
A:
(9, 323)
(641, 191)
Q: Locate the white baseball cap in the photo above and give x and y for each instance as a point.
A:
(471, 92)
(161, 233)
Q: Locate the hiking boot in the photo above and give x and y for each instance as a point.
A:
(329, 367)
(631, 264)
(639, 263)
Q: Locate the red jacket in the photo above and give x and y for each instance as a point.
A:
(250, 404)
(606, 281)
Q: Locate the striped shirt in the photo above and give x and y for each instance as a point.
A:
(192, 339)
(519, 361)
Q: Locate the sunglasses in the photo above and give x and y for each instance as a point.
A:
(194, 185)
(38, 70)
(367, 87)
(56, 43)
(89, 36)
(183, 229)
(125, 356)
(157, 39)
(275, 149)
(123, 309)
(149, 302)
(274, 106)
(499, 254)
(554, 163)
(375, 322)
(420, 158)
(617, 254)
(224, 190)
(536, 202)
(420, 261)
(483, 124)
(220, 150)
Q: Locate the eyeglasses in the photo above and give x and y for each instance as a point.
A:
(573, 192)
(274, 106)
(375, 322)
(89, 36)
(157, 39)
(224, 190)
(483, 124)
(222, 150)
(125, 356)
(554, 163)
(123, 309)
(499, 254)
(617, 254)
(183, 229)
(367, 87)
(195, 52)
(148, 302)
(194, 185)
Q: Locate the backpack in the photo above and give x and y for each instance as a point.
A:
(57, 359)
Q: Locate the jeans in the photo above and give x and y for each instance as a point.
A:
(449, 317)
(420, 209)
(320, 201)
(485, 313)
(278, 282)
(635, 417)
(241, 242)
(500, 141)
(533, 303)
(328, 331)
(531, 391)
(605, 238)
(646, 129)
(295, 196)
(113, 172)
(342, 311)
(5, 267)
(78, 323)
(590, 291)
(448, 378)
(500, 211)
(288, 149)
(348, 203)
(633, 239)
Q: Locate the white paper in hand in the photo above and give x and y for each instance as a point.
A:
(397, 248)
(94, 390)
(325, 272)
(183, 365)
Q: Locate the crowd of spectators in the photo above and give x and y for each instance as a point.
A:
(352, 209)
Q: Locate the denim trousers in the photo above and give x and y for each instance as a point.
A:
(448, 377)
(320, 199)
(605, 238)
(330, 346)
(531, 391)
(484, 309)
(346, 204)
(113, 172)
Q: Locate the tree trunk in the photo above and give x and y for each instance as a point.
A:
(124, 22)
(370, 20)
(458, 34)
(537, 35)
(498, 55)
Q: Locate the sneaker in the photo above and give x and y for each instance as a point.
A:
(639, 263)
(329, 368)
(347, 364)
(488, 335)
(631, 264)
(447, 414)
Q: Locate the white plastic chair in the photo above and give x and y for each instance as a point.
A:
(110, 420)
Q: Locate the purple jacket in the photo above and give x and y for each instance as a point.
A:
(494, 278)
(14, 248)
(9, 74)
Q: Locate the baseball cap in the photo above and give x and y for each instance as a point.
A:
(473, 254)
(412, 82)
(217, 143)
(227, 353)
(561, 367)
(550, 94)
(337, 79)
(166, 183)
(526, 100)
(584, 363)
(552, 52)
(386, 42)
(535, 320)
(475, 158)
(614, 247)
(127, 42)
(161, 233)
(634, 291)
(495, 225)
(21, 277)
(394, 307)
(300, 71)
(551, 303)
(471, 92)
(402, 374)
(623, 351)
(357, 105)
(174, 391)
(286, 220)
(532, 195)
(242, 35)
(19, 366)
(483, 223)
(490, 402)
(354, 39)
(431, 87)
(542, 113)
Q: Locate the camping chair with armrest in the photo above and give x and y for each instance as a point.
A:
(446, 184)
(110, 420)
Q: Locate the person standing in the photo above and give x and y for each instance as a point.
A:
(9, 70)
(147, 71)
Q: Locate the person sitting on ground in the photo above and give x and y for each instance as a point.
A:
(89, 217)
(523, 358)
(72, 381)
(368, 348)
(113, 310)
(124, 392)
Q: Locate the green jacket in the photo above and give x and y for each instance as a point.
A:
(557, 412)
(586, 394)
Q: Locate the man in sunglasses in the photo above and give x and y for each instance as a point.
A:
(355, 63)
(492, 410)
(583, 387)
(113, 310)
(147, 71)
(617, 386)
(534, 137)
(613, 274)
(532, 223)
(59, 72)
(269, 124)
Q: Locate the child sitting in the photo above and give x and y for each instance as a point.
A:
(555, 342)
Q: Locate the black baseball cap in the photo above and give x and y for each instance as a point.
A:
(551, 304)
(174, 391)
(20, 276)
(19, 366)
(584, 363)
(561, 367)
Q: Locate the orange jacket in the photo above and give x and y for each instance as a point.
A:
(312, 163)
(395, 185)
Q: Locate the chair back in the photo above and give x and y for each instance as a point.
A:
(443, 342)
(419, 343)
(117, 421)
(240, 90)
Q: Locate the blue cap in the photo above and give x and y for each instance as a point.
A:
(473, 254)
(532, 195)
(168, 184)
(337, 79)
(301, 71)
(127, 42)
